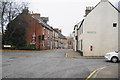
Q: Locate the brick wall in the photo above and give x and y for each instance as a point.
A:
(37, 29)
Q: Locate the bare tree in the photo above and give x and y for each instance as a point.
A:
(9, 10)
(3, 8)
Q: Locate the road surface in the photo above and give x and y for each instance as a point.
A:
(48, 64)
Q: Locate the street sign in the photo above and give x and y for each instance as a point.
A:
(32, 43)
(33, 35)
(7, 45)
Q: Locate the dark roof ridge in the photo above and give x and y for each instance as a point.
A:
(81, 24)
(41, 22)
(114, 7)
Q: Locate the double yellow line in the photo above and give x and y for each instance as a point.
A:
(98, 69)
(66, 55)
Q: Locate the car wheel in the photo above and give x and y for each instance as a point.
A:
(114, 59)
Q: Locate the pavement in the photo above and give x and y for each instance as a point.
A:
(103, 72)
(107, 72)
(76, 55)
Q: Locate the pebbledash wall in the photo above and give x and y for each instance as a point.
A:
(100, 30)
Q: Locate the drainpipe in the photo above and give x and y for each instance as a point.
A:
(39, 41)
(76, 36)
(77, 39)
(35, 34)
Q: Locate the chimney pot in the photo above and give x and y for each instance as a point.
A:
(104, 0)
(25, 10)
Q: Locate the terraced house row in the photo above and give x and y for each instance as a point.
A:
(38, 33)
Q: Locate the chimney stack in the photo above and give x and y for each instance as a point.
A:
(60, 31)
(45, 19)
(36, 15)
(104, 0)
(25, 10)
(88, 10)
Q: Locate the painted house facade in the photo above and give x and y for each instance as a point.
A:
(63, 42)
(56, 36)
(98, 32)
(119, 26)
(60, 41)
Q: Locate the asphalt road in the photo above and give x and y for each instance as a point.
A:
(47, 64)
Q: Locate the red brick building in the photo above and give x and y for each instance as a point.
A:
(38, 33)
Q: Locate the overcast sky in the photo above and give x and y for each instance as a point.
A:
(63, 14)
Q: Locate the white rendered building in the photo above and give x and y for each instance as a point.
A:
(99, 32)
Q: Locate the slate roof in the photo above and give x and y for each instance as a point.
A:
(40, 21)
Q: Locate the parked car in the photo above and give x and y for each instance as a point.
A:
(113, 56)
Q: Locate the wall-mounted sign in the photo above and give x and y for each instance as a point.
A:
(32, 43)
(7, 45)
(33, 35)
(91, 32)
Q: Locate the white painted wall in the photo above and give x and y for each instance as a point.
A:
(75, 41)
(80, 37)
(119, 27)
(99, 32)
